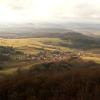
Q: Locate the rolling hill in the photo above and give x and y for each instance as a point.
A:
(73, 40)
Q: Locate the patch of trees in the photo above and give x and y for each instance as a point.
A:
(6, 53)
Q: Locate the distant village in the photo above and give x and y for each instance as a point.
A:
(47, 56)
(9, 53)
(53, 56)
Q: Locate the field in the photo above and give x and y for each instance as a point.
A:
(33, 45)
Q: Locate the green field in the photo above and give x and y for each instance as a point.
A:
(34, 45)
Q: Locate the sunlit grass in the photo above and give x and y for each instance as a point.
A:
(17, 66)
(96, 59)
(34, 45)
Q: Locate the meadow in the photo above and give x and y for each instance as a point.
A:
(33, 45)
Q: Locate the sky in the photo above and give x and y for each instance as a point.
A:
(20, 11)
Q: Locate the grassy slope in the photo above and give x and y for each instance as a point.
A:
(33, 45)
(75, 40)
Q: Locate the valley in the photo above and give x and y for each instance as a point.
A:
(44, 66)
(49, 49)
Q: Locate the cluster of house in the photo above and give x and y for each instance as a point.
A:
(23, 57)
(47, 56)
(53, 56)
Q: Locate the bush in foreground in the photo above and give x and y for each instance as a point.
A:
(74, 84)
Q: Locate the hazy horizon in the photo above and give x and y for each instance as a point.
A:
(35, 16)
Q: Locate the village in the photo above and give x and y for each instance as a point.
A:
(53, 56)
(45, 56)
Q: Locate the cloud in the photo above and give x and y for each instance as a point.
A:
(87, 10)
(25, 10)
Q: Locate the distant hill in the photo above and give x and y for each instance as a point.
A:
(31, 29)
(74, 39)
(74, 35)
(70, 39)
(78, 40)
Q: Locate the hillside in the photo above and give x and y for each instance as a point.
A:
(34, 45)
(78, 80)
(75, 40)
